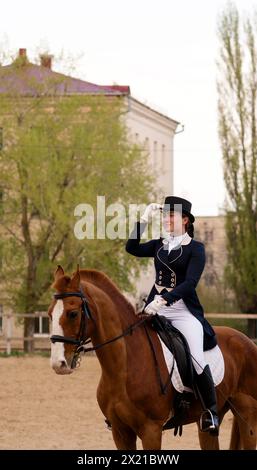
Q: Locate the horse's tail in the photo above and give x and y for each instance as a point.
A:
(235, 436)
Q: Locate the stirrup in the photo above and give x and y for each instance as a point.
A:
(211, 427)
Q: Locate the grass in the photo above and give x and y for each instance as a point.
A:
(239, 324)
(18, 353)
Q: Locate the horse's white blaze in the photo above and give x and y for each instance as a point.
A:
(57, 349)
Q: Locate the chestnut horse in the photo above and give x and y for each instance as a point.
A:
(89, 305)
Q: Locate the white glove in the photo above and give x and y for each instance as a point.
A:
(155, 305)
(150, 209)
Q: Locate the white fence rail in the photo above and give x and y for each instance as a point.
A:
(241, 316)
(7, 335)
(7, 338)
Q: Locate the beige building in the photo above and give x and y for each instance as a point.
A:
(211, 231)
(155, 132)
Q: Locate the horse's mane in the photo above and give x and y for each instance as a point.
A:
(102, 281)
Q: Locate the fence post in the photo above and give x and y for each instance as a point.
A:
(9, 334)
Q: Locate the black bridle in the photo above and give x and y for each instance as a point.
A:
(86, 315)
(82, 329)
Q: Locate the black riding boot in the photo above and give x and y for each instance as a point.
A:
(209, 421)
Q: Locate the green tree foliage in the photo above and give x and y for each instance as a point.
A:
(60, 150)
(237, 88)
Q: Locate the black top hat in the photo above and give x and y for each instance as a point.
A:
(185, 206)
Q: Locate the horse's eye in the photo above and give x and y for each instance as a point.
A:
(73, 314)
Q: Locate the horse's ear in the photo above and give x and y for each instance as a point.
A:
(75, 280)
(58, 273)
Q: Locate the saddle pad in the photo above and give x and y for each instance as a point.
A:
(213, 357)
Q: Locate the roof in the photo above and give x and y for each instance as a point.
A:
(29, 80)
(155, 110)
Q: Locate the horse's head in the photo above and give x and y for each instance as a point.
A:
(70, 315)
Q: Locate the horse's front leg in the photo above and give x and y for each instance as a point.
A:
(244, 408)
(151, 436)
(208, 442)
(124, 437)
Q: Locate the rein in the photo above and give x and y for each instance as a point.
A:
(126, 332)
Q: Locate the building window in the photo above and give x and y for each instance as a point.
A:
(209, 258)
(1, 318)
(42, 326)
(208, 236)
(1, 200)
(1, 139)
(146, 144)
(155, 153)
(209, 279)
(163, 156)
(197, 234)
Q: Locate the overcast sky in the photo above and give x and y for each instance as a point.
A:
(165, 50)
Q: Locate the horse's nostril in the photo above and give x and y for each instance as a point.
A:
(63, 364)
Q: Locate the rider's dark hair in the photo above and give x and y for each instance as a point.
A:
(189, 227)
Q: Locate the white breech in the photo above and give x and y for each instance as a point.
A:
(182, 319)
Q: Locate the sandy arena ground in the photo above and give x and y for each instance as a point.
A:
(41, 410)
